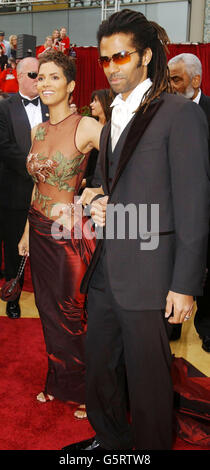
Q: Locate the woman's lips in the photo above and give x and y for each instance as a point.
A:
(48, 93)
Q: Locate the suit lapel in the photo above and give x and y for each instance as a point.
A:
(20, 122)
(103, 158)
(45, 112)
(136, 131)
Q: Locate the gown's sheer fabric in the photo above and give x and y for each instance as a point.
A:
(60, 254)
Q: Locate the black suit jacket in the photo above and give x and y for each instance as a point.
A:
(15, 142)
(164, 161)
(205, 105)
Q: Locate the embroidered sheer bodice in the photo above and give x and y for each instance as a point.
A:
(56, 166)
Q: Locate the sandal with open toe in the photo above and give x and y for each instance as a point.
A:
(43, 398)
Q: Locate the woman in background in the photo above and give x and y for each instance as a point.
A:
(46, 47)
(13, 45)
(100, 109)
(56, 39)
(100, 105)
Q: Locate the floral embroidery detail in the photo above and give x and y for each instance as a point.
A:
(40, 171)
(42, 200)
(40, 133)
(66, 169)
(55, 171)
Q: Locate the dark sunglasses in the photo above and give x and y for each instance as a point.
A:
(120, 58)
(31, 75)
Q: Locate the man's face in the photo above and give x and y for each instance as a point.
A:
(27, 85)
(180, 80)
(1, 38)
(125, 77)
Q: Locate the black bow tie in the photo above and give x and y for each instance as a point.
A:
(35, 101)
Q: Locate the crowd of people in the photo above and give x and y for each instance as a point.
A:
(109, 305)
(58, 40)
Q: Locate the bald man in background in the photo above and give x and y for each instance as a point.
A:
(186, 75)
(18, 115)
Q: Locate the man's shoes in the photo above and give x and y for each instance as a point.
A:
(13, 309)
(89, 444)
(206, 343)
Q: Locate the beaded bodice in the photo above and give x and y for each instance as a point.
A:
(56, 165)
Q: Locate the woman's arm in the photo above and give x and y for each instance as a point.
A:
(23, 246)
(88, 134)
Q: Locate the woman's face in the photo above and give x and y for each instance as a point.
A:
(96, 108)
(56, 34)
(14, 42)
(52, 84)
(48, 42)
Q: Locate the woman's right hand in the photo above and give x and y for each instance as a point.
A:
(23, 245)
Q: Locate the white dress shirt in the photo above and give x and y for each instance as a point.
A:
(34, 113)
(198, 97)
(124, 110)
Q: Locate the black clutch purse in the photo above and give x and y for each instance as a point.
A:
(11, 289)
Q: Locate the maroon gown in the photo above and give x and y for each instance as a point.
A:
(61, 244)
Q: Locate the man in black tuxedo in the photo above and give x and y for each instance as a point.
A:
(142, 278)
(18, 115)
(186, 75)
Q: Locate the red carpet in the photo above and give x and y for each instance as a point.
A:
(27, 424)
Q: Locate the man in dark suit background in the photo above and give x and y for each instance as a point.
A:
(186, 76)
(18, 115)
(3, 96)
(139, 283)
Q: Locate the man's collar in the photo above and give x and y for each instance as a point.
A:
(135, 96)
(27, 97)
(198, 97)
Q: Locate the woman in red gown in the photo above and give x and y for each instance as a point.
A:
(59, 238)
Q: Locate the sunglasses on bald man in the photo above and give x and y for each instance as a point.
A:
(31, 75)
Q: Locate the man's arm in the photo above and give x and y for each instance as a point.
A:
(189, 172)
(10, 153)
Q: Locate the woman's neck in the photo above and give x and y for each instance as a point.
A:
(58, 113)
(102, 119)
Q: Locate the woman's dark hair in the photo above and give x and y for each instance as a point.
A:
(105, 96)
(145, 34)
(66, 63)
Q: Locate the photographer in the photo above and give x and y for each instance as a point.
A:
(3, 58)
(8, 78)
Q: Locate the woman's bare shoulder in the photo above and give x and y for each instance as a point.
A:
(88, 133)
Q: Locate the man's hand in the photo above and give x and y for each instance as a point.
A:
(98, 211)
(88, 194)
(181, 305)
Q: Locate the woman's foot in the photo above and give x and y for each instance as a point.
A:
(43, 398)
(80, 412)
